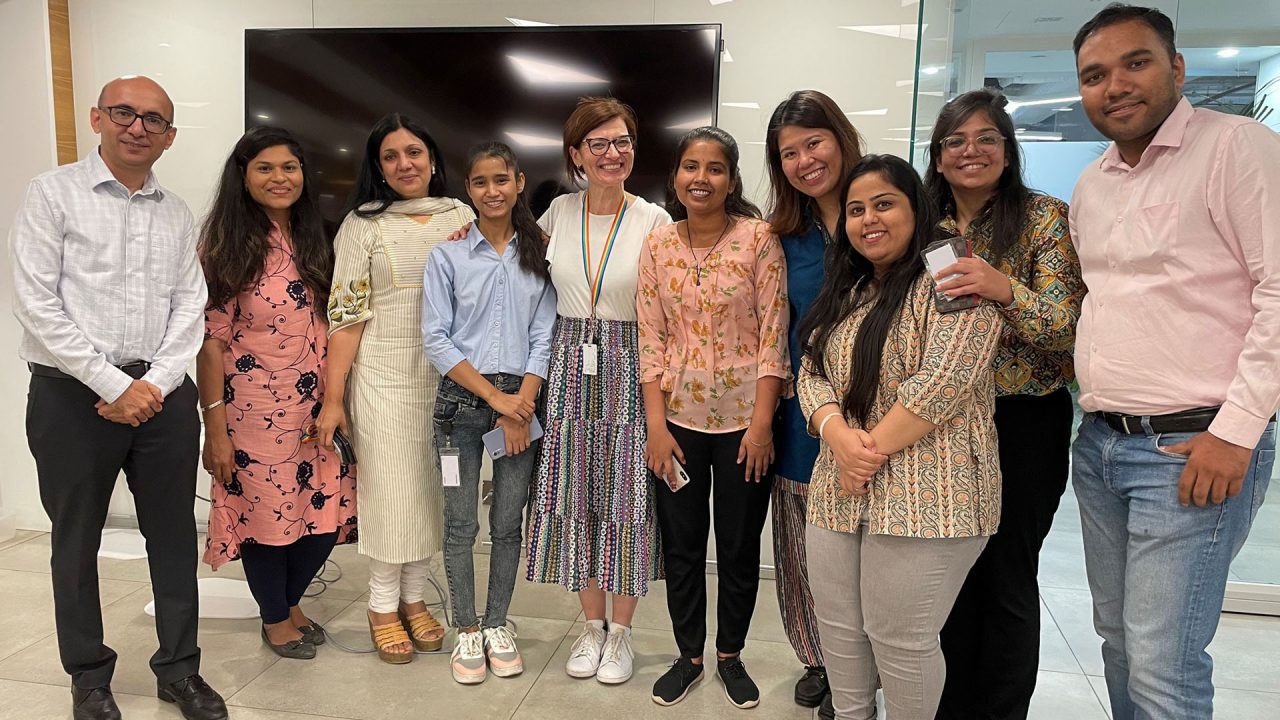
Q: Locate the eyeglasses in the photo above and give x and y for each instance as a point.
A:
(124, 117)
(985, 143)
(600, 146)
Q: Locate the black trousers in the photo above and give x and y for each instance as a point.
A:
(991, 640)
(278, 575)
(684, 518)
(78, 457)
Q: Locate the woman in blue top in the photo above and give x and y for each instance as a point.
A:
(487, 314)
(810, 144)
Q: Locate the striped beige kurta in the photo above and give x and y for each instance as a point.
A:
(377, 280)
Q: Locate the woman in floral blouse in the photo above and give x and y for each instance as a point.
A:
(906, 488)
(1025, 264)
(712, 308)
(280, 500)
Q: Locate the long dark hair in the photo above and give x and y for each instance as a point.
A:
(371, 186)
(736, 205)
(848, 274)
(1009, 204)
(233, 239)
(530, 248)
(810, 109)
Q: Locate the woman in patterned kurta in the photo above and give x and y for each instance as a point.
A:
(1026, 265)
(279, 500)
(377, 366)
(906, 488)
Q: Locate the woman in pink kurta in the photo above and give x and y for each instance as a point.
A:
(280, 500)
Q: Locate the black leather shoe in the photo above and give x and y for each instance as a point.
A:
(812, 687)
(294, 649)
(194, 698)
(93, 704)
(826, 711)
(312, 633)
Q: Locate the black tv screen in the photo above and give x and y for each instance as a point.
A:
(469, 85)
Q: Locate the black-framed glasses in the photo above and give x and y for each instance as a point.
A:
(124, 116)
(985, 143)
(599, 146)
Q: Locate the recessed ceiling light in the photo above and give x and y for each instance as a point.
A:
(1014, 105)
(743, 105)
(876, 111)
(905, 32)
(931, 69)
(719, 2)
(1228, 52)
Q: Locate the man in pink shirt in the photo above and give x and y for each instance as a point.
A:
(1178, 231)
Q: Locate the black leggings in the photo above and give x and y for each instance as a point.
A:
(278, 575)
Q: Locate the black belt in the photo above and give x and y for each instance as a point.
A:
(134, 370)
(1197, 420)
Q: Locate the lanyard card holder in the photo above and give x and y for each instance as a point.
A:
(939, 255)
(450, 470)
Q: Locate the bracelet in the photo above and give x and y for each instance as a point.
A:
(212, 405)
(760, 445)
(823, 425)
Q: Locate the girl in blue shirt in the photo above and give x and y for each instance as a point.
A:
(487, 315)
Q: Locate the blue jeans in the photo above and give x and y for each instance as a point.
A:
(460, 419)
(1157, 570)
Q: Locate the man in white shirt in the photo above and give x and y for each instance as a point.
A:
(1176, 352)
(110, 295)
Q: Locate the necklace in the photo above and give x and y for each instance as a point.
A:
(697, 264)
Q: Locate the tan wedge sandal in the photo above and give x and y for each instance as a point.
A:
(426, 633)
(387, 636)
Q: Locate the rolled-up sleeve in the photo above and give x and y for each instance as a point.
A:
(437, 313)
(958, 351)
(541, 326)
(651, 317)
(773, 358)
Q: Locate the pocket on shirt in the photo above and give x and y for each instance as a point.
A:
(1155, 240)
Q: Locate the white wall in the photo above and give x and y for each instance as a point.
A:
(31, 150)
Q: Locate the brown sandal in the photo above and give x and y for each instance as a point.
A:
(385, 636)
(419, 627)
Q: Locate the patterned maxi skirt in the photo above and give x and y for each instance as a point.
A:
(591, 512)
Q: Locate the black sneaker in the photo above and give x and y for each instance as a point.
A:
(811, 688)
(675, 683)
(738, 686)
(826, 711)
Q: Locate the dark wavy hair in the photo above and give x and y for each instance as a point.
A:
(847, 277)
(736, 205)
(530, 248)
(809, 109)
(1009, 205)
(371, 187)
(233, 239)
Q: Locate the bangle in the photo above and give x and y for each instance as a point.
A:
(823, 425)
(764, 444)
(212, 405)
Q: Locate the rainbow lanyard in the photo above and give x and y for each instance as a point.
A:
(594, 284)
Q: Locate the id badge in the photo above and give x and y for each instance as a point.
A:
(449, 469)
(590, 358)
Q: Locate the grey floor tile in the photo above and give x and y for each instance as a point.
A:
(1257, 562)
(369, 688)
(1246, 704)
(1055, 653)
(27, 599)
(1063, 695)
(1100, 689)
(1062, 559)
(772, 665)
(766, 622)
(1246, 654)
(19, 537)
(33, 556)
(232, 651)
(1072, 611)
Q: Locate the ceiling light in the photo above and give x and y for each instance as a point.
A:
(1063, 109)
(691, 123)
(744, 105)
(1228, 52)
(904, 32)
(521, 22)
(544, 72)
(876, 111)
(1014, 105)
(533, 140)
(342, 150)
(719, 2)
(263, 116)
(931, 69)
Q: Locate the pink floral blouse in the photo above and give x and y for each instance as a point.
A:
(707, 339)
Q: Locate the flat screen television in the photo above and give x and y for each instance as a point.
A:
(469, 85)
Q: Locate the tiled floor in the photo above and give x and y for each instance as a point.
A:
(340, 685)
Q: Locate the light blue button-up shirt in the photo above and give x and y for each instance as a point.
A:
(487, 309)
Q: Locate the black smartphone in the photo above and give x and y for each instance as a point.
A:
(346, 453)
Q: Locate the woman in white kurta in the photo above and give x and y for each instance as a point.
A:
(378, 368)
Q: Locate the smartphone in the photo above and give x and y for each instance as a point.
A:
(682, 477)
(938, 256)
(346, 453)
(495, 441)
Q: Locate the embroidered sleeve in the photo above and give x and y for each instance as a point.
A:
(1044, 313)
(353, 252)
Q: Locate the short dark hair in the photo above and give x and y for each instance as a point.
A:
(1116, 13)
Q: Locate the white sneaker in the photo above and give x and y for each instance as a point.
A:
(467, 661)
(616, 659)
(584, 656)
(500, 649)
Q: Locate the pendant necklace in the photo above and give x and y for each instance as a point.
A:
(697, 265)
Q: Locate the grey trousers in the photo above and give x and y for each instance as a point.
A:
(881, 602)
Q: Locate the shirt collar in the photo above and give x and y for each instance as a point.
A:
(99, 174)
(1170, 134)
(475, 238)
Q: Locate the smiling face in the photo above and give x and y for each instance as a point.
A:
(613, 167)
(132, 149)
(493, 188)
(702, 179)
(406, 164)
(811, 159)
(974, 166)
(1128, 83)
(274, 181)
(879, 220)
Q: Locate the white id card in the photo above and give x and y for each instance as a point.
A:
(449, 469)
(590, 358)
